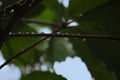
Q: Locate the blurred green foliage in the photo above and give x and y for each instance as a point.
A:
(96, 17)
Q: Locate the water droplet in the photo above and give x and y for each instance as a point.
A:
(13, 33)
(32, 33)
(72, 34)
(10, 32)
(12, 11)
(58, 32)
(80, 15)
(19, 32)
(84, 39)
(66, 33)
(29, 5)
(27, 32)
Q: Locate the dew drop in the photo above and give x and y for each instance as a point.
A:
(66, 33)
(13, 33)
(84, 39)
(58, 32)
(27, 32)
(12, 11)
(19, 32)
(80, 15)
(10, 32)
(72, 34)
(32, 33)
(30, 5)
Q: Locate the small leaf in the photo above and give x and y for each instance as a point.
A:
(98, 70)
(108, 52)
(95, 65)
(59, 49)
(78, 7)
(44, 15)
(14, 45)
(53, 5)
(42, 76)
(104, 18)
(36, 11)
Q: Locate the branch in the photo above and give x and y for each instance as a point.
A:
(66, 36)
(28, 48)
(19, 12)
(26, 20)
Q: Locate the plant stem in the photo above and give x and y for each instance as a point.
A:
(106, 37)
(27, 48)
(26, 20)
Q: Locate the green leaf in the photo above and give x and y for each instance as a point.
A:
(14, 45)
(78, 7)
(105, 19)
(98, 70)
(96, 67)
(23, 28)
(53, 5)
(36, 11)
(108, 52)
(59, 49)
(44, 15)
(42, 76)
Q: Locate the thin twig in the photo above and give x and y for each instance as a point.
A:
(27, 48)
(26, 20)
(103, 37)
(19, 12)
